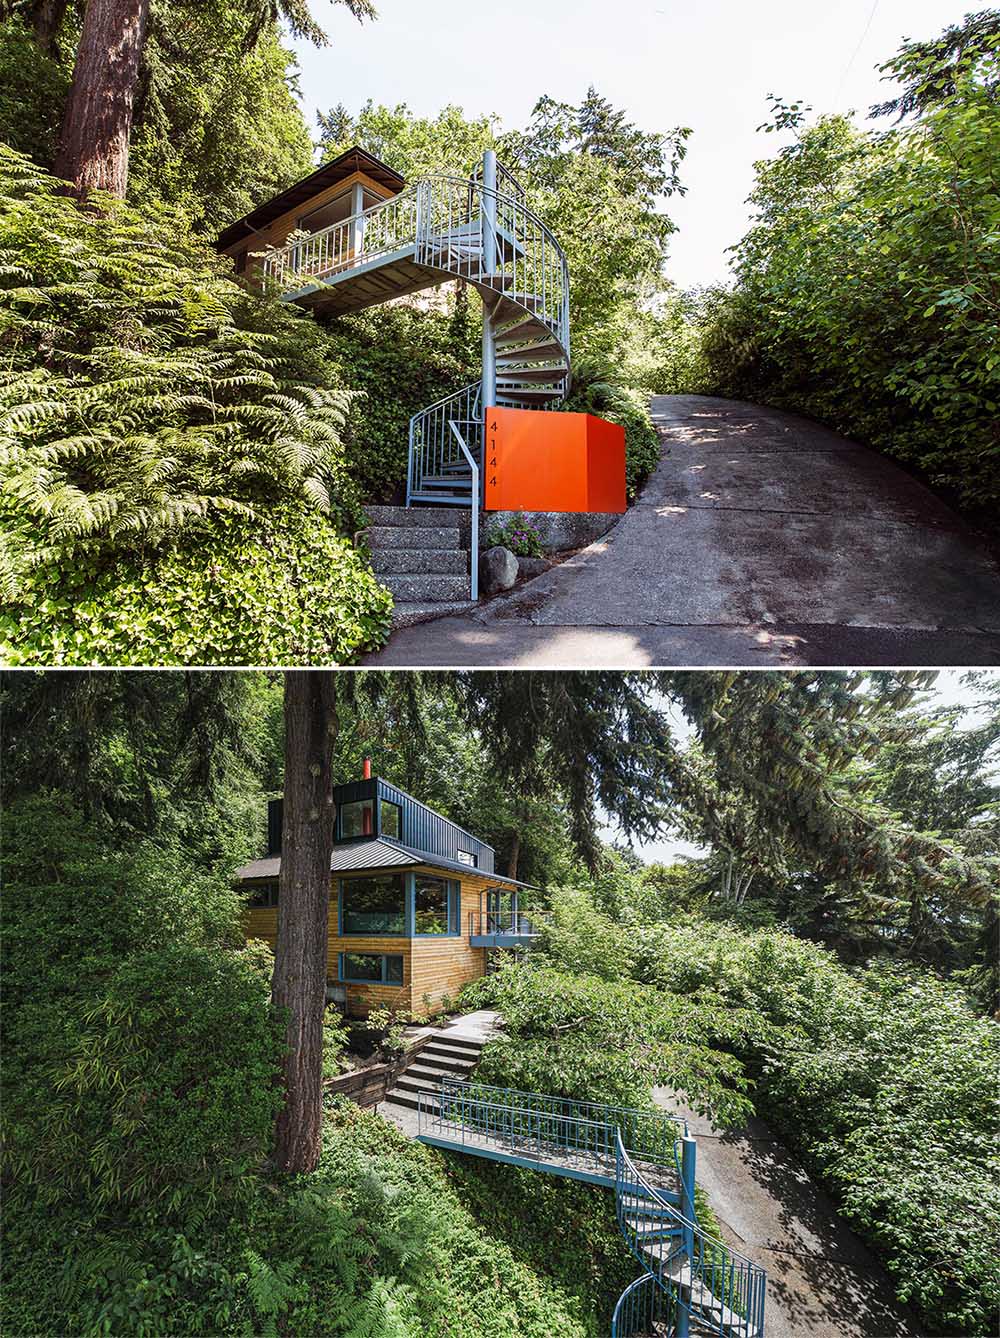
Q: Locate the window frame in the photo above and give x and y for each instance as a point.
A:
(453, 910)
(374, 933)
(271, 887)
(383, 802)
(356, 836)
(383, 957)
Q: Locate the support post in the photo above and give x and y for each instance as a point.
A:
(357, 227)
(689, 1152)
(488, 217)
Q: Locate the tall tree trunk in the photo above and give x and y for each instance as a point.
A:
(93, 147)
(514, 856)
(303, 906)
(46, 22)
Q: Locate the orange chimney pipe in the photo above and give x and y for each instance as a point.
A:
(366, 821)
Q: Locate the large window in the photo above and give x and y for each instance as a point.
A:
(390, 821)
(374, 905)
(371, 968)
(435, 905)
(263, 897)
(357, 819)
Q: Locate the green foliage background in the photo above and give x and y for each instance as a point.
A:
(866, 291)
(883, 1079)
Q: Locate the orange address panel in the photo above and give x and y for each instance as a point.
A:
(547, 461)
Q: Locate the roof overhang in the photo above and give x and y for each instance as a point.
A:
(362, 856)
(338, 169)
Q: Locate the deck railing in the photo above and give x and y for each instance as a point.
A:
(510, 924)
(539, 1128)
(388, 226)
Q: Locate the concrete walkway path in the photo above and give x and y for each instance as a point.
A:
(822, 1282)
(760, 539)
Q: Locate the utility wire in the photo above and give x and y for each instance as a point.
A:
(854, 54)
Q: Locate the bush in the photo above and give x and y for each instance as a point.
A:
(593, 392)
(516, 534)
(173, 473)
(400, 359)
(285, 590)
(577, 1035)
(884, 1080)
(865, 289)
(140, 1055)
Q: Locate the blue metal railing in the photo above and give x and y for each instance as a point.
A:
(707, 1283)
(549, 1132)
(692, 1283)
(642, 1305)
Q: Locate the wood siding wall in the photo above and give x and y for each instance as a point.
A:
(275, 233)
(433, 966)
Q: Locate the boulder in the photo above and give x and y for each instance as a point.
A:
(531, 566)
(497, 570)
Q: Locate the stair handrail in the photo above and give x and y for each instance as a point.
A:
(736, 1285)
(474, 540)
(335, 244)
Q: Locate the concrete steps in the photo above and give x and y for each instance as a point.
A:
(443, 1056)
(420, 554)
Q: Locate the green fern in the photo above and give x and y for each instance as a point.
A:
(142, 391)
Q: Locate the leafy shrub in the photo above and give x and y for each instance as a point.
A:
(399, 359)
(865, 292)
(518, 534)
(284, 590)
(140, 1055)
(33, 91)
(883, 1079)
(595, 391)
(169, 447)
(579, 1035)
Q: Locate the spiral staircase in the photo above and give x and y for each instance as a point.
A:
(442, 228)
(692, 1285)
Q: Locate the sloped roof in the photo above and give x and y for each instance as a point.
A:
(338, 169)
(353, 856)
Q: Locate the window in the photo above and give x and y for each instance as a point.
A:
(432, 903)
(467, 857)
(357, 819)
(263, 897)
(390, 821)
(241, 262)
(334, 211)
(371, 968)
(373, 905)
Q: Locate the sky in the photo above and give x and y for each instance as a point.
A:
(947, 690)
(708, 65)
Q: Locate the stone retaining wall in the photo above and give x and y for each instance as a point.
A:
(368, 1086)
(557, 530)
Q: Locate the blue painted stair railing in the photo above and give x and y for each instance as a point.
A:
(692, 1285)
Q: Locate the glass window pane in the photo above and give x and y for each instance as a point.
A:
(374, 905)
(263, 896)
(467, 857)
(362, 966)
(430, 905)
(357, 819)
(394, 970)
(390, 823)
(456, 908)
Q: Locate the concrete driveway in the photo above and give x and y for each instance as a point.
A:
(760, 539)
(822, 1281)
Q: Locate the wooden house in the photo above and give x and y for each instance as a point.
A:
(339, 190)
(416, 906)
